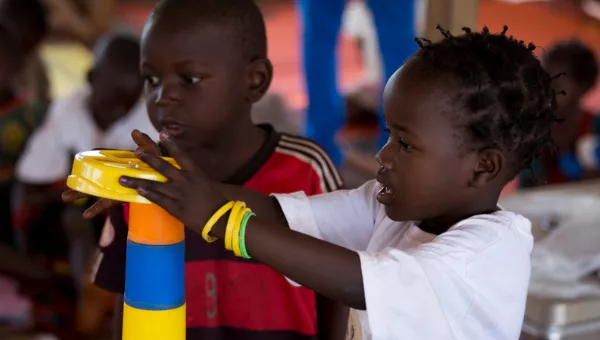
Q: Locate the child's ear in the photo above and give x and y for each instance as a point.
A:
(489, 166)
(260, 74)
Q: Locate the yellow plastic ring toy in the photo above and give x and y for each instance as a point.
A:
(97, 173)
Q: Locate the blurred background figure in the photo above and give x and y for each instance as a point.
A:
(28, 22)
(19, 117)
(100, 114)
(321, 22)
(82, 20)
(576, 70)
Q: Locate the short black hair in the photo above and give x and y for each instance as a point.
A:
(505, 95)
(578, 59)
(27, 15)
(118, 50)
(242, 17)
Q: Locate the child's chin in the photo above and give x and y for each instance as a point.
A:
(396, 214)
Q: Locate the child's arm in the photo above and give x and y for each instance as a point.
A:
(329, 269)
(343, 217)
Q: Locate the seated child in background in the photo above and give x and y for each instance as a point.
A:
(19, 117)
(423, 252)
(205, 64)
(576, 70)
(28, 21)
(99, 115)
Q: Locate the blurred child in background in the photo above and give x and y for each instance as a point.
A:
(99, 115)
(19, 116)
(574, 66)
(28, 22)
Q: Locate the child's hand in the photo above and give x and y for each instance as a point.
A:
(145, 144)
(188, 194)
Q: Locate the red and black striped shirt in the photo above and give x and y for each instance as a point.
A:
(228, 297)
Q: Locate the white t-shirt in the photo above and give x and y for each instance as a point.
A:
(69, 128)
(469, 283)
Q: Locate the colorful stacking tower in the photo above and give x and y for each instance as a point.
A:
(154, 306)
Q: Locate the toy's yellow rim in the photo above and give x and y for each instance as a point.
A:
(97, 173)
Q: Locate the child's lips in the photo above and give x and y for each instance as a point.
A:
(173, 129)
(385, 196)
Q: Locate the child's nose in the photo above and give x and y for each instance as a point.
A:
(166, 94)
(384, 157)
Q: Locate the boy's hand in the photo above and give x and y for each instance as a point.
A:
(145, 144)
(187, 194)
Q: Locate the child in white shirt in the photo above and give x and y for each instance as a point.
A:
(101, 114)
(423, 252)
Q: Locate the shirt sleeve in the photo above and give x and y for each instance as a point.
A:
(468, 283)
(46, 157)
(110, 265)
(345, 217)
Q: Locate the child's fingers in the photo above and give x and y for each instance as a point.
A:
(184, 161)
(145, 143)
(99, 207)
(160, 165)
(71, 196)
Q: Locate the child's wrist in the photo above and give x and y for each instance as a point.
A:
(215, 225)
(220, 227)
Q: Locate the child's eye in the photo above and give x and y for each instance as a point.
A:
(191, 79)
(152, 80)
(401, 141)
(405, 145)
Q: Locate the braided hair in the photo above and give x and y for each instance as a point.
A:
(506, 98)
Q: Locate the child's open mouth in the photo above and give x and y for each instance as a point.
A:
(385, 196)
(173, 129)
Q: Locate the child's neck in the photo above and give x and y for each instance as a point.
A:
(237, 150)
(100, 118)
(481, 205)
(101, 123)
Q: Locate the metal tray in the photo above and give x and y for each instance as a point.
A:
(561, 319)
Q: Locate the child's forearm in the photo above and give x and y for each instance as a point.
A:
(330, 270)
(263, 205)
(321, 266)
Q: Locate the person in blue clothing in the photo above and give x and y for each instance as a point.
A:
(321, 21)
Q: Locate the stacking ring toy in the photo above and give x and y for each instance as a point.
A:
(154, 300)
